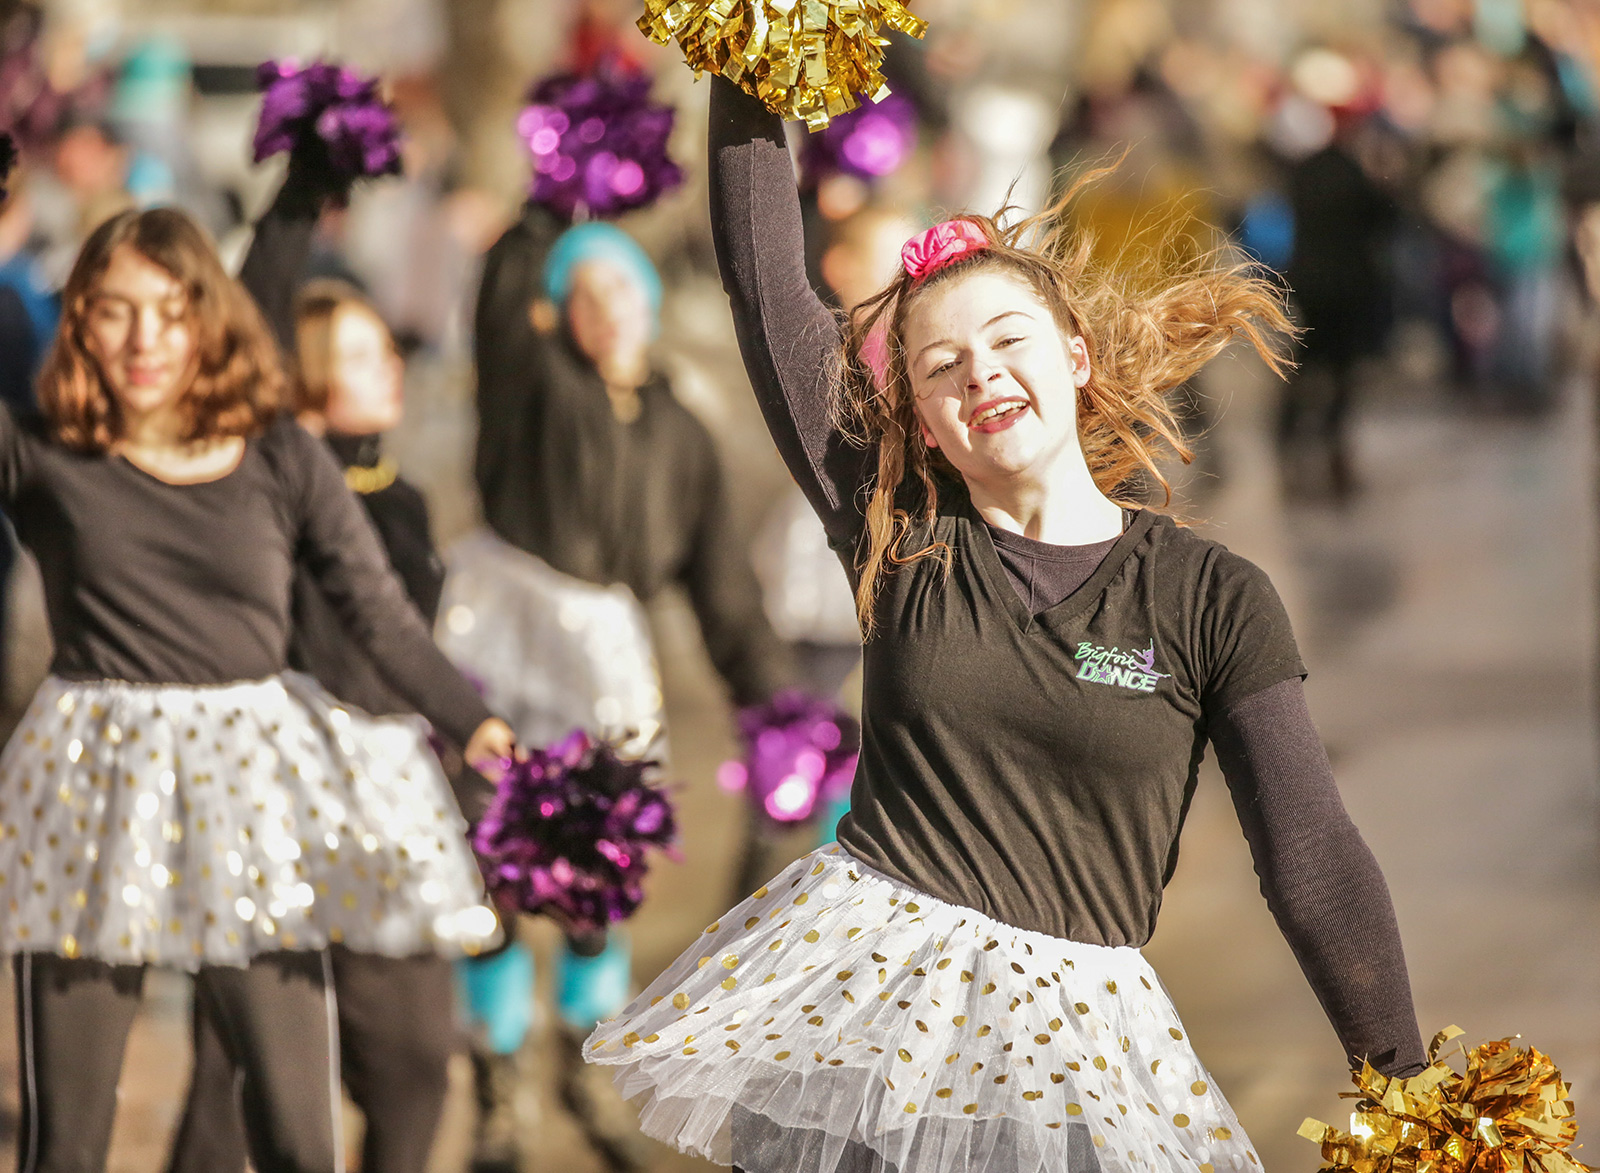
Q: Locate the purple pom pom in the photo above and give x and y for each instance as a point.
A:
(333, 117)
(800, 754)
(568, 832)
(598, 143)
(869, 142)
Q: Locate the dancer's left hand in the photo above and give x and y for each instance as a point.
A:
(492, 744)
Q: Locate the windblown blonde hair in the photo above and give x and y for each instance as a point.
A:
(1148, 328)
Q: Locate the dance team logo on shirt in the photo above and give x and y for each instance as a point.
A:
(1131, 669)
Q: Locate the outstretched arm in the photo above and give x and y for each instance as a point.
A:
(727, 599)
(339, 546)
(1318, 875)
(276, 263)
(789, 339)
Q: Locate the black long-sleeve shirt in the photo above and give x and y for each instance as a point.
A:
(157, 583)
(1034, 757)
(640, 502)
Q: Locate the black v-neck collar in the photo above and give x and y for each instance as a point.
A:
(993, 571)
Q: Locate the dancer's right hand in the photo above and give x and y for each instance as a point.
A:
(491, 745)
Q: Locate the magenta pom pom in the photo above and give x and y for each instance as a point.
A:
(332, 118)
(599, 145)
(569, 830)
(871, 141)
(800, 753)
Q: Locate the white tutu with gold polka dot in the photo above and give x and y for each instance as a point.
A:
(838, 1020)
(190, 826)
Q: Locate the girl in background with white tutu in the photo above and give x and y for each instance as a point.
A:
(957, 984)
(173, 796)
(397, 1023)
(600, 490)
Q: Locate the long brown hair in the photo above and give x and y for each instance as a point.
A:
(1149, 326)
(237, 384)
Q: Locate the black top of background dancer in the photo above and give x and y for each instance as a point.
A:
(640, 503)
(1036, 762)
(319, 645)
(156, 583)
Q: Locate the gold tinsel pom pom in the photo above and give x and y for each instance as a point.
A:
(810, 59)
(1508, 1112)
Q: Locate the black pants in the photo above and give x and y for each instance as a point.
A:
(73, 1018)
(396, 1034)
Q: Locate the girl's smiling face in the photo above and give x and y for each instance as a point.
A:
(996, 381)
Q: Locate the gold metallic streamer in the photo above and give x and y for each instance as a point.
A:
(1508, 1112)
(805, 59)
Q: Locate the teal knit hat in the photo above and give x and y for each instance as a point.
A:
(599, 241)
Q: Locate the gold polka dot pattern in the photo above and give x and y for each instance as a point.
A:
(870, 1013)
(184, 826)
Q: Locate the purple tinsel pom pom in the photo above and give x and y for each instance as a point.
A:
(334, 116)
(598, 143)
(869, 142)
(800, 754)
(569, 829)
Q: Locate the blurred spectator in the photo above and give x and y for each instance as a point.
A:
(29, 307)
(150, 109)
(1339, 277)
(1527, 238)
(86, 185)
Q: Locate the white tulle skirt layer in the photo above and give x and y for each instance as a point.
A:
(184, 826)
(553, 653)
(837, 1020)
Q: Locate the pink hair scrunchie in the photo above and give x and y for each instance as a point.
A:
(941, 245)
(925, 253)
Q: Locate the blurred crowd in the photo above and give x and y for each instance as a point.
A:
(1428, 186)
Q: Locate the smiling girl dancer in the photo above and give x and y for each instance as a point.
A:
(172, 797)
(397, 1026)
(957, 984)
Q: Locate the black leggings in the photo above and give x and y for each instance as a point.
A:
(396, 1034)
(274, 1019)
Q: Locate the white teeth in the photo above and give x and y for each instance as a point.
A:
(993, 413)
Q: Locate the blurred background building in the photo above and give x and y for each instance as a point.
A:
(1424, 173)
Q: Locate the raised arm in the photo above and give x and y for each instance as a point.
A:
(341, 549)
(279, 251)
(512, 357)
(789, 339)
(1318, 875)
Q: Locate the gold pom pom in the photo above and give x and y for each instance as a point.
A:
(1509, 1112)
(805, 59)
